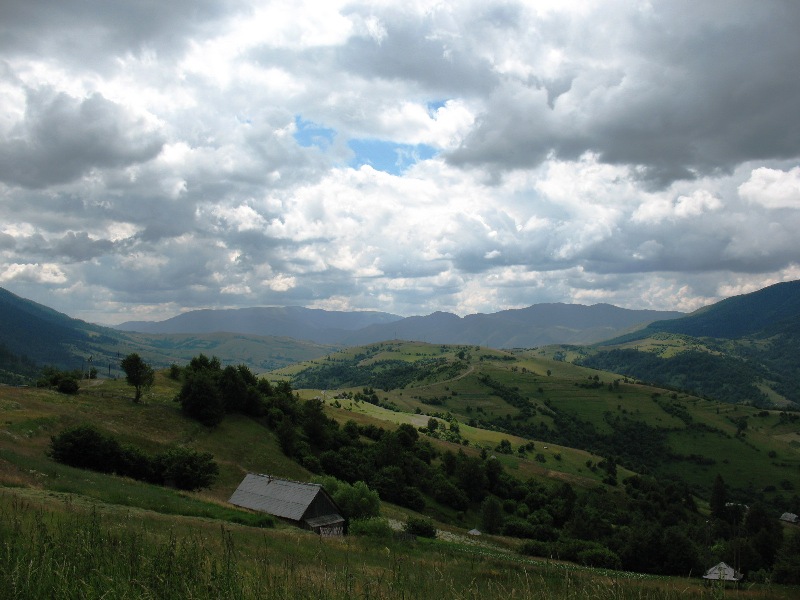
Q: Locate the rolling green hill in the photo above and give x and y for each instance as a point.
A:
(538, 436)
(32, 336)
(741, 349)
(524, 396)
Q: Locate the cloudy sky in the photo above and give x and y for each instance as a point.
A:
(413, 156)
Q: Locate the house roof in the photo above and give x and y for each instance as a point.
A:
(787, 516)
(724, 572)
(279, 497)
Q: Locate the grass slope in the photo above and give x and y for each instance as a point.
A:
(698, 437)
(121, 537)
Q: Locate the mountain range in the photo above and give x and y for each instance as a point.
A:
(537, 325)
(741, 349)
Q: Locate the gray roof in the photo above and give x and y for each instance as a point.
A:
(723, 571)
(279, 497)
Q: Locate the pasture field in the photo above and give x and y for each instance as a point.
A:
(150, 537)
(68, 546)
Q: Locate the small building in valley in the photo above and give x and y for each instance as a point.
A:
(722, 572)
(304, 504)
(789, 517)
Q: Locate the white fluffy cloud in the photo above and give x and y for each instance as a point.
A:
(405, 157)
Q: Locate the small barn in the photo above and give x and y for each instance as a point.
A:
(722, 572)
(789, 517)
(304, 504)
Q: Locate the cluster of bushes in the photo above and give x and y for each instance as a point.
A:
(87, 448)
(590, 554)
(355, 501)
(372, 527)
(420, 527)
(209, 392)
(65, 382)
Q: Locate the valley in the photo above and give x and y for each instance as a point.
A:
(564, 467)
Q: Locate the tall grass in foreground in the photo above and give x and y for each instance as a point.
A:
(80, 554)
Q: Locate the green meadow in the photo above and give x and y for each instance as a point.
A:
(78, 534)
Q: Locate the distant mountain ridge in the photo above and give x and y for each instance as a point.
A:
(33, 335)
(768, 311)
(317, 325)
(536, 325)
(741, 349)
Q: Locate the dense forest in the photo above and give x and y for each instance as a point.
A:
(720, 377)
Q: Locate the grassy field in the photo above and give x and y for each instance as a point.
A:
(704, 445)
(71, 533)
(67, 546)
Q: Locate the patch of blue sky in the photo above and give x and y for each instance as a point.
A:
(386, 156)
(308, 133)
(434, 106)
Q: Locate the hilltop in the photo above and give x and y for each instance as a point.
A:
(33, 336)
(741, 349)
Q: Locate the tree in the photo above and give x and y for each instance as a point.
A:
(201, 399)
(491, 515)
(138, 374)
(719, 497)
(187, 469)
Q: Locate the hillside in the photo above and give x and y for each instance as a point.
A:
(738, 350)
(453, 431)
(33, 336)
(520, 328)
(524, 395)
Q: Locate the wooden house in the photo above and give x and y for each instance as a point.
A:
(304, 504)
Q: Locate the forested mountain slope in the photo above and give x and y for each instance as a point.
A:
(740, 349)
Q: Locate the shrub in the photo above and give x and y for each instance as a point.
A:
(187, 469)
(356, 501)
(519, 528)
(536, 548)
(373, 527)
(599, 557)
(201, 399)
(67, 385)
(86, 448)
(420, 527)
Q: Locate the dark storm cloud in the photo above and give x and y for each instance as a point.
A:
(94, 33)
(414, 50)
(693, 90)
(63, 138)
(639, 153)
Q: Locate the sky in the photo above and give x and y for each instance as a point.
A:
(407, 157)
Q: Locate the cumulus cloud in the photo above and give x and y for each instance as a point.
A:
(406, 157)
(62, 138)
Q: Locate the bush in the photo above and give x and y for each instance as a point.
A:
(599, 557)
(356, 501)
(373, 527)
(187, 469)
(85, 447)
(536, 548)
(420, 527)
(201, 399)
(520, 528)
(67, 385)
